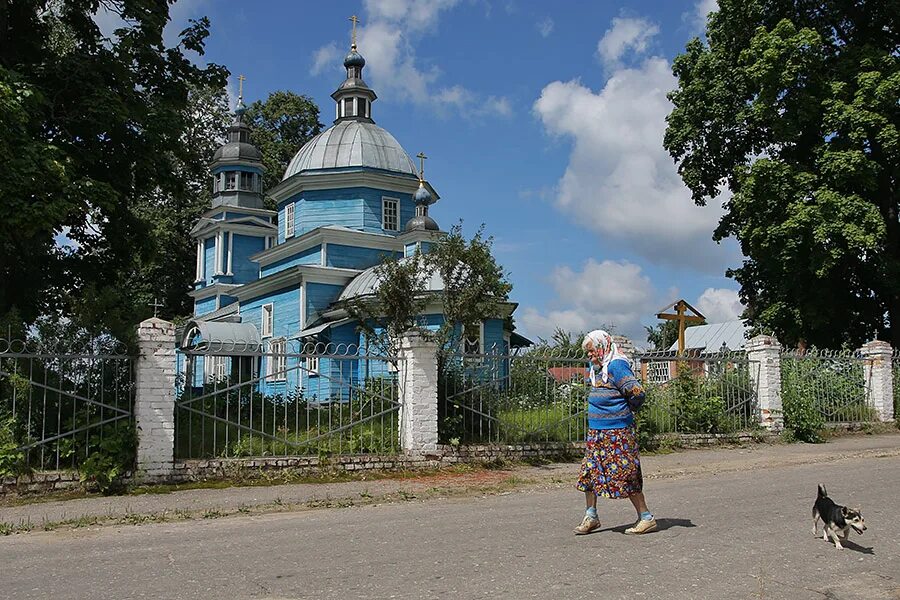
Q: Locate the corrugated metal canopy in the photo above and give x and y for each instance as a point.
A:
(216, 336)
(710, 338)
(352, 144)
(309, 331)
(367, 283)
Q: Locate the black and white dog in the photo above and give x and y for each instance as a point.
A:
(837, 520)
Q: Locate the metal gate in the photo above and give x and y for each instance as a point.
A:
(288, 400)
(832, 383)
(497, 397)
(58, 406)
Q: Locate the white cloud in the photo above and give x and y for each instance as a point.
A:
(719, 305)
(614, 293)
(326, 58)
(619, 181)
(697, 17)
(626, 34)
(545, 26)
(386, 37)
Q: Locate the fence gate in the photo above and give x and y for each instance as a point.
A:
(57, 406)
(701, 393)
(288, 400)
(498, 397)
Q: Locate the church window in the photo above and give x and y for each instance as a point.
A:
(268, 319)
(390, 214)
(348, 107)
(216, 183)
(289, 220)
(214, 368)
(230, 180)
(363, 112)
(312, 365)
(473, 339)
(246, 180)
(276, 361)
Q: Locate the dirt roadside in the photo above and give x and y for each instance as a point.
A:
(215, 503)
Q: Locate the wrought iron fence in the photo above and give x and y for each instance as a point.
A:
(497, 397)
(831, 384)
(702, 393)
(58, 406)
(290, 399)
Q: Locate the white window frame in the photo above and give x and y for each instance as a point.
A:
(312, 365)
(268, 320)
(289, 220)
(214, 368)
(276, 360)
(385, 202)
(465, 340)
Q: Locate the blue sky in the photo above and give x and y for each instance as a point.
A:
(543, 121)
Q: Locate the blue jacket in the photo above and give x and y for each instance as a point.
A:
(608, 403)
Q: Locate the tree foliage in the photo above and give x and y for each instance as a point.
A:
(95, 132)
(792, 106)
(662, 335)
(474, 289)
(280, 126)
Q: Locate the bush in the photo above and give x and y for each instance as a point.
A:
(12, 460)
(802, 416)
(112, 457)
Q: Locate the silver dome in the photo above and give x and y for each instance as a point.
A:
(367, 283)
(352, 143)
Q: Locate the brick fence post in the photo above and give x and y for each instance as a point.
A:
(418, 394)
(764, 355)
(154, 403)
(879, 380)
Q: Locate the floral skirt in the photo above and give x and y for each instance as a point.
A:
(611, 467)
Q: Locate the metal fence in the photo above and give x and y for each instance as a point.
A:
(58, 406)
(831, 383)
(498, 397)
(290, 399)
(703, 393)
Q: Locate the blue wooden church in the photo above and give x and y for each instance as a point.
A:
(268, 282)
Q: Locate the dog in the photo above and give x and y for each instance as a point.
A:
(837, 520)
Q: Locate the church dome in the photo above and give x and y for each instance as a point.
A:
(352, 143)
(368, 282)
(237, 152)
(422, 223)
(354, 59)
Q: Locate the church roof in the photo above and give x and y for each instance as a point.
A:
(712, 337)
(351, 143)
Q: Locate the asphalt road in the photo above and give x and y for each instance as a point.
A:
(729, 535)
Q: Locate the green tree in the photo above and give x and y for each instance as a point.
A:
(475, 288)
(280, 126)
(94, 129)
(663, 335)
(792, 106)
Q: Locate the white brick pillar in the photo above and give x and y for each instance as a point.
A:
(154, 404)
(764, 354)
(418, 394)
(879, 378)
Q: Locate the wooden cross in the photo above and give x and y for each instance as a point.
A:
(156, 306)
(241, 79)
(681, 309)
(421, 156)
(355, 20)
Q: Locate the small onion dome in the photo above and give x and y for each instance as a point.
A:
(422, 196)
(239, 110)
(422, 223)
(354, 59)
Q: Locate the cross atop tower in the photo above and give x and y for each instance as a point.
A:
(421, 156)
(355, 20)
(241, 79)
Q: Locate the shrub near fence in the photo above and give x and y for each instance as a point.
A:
(821, 387)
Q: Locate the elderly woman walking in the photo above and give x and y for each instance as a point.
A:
(612, 465)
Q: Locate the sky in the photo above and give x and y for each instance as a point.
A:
(543, 121)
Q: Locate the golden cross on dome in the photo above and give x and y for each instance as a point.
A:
(241, 79)
(421, 156)
(355, 20)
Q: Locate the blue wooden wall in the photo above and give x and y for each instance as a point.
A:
(318, 297)
(352, 257)
(310, 256)
(243, 247)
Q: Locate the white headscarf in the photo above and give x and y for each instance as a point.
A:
(601, 339)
